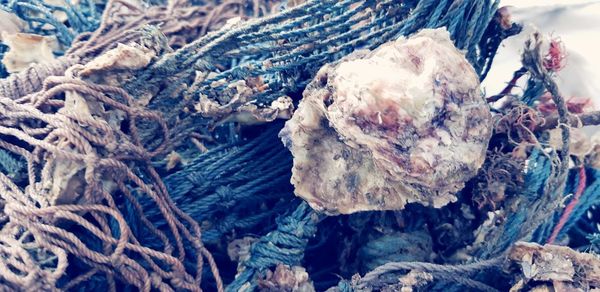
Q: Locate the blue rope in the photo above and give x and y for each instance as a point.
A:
(517, 225)
(284, 246)
(589, 198)
(286, 50)
(13, 167)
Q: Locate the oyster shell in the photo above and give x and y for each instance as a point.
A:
(379, 129)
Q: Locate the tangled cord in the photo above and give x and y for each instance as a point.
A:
(261, 60)
(104, 156)
(112, 173)
(121, 22)
(454, 273)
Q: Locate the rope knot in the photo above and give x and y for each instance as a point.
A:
(116, 261)
(156, 280)
(226, 197)
(92, 159)
(177, 282)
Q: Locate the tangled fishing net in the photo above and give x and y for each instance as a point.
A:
(141, 148)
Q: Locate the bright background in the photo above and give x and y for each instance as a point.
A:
(531, 3)
(576, 23)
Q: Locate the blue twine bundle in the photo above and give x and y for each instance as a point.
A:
(284, 51)
(228, 186)
(577, 221)
(285, 245)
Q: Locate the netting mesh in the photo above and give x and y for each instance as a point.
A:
(77, 165)
(258, 62)
(86, 162)
(91, 195)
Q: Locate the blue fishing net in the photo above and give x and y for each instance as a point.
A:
(278, 55)
(240, 187)
(41, 17)
(285, 51)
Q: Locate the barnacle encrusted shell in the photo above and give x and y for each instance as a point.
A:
(379, 129)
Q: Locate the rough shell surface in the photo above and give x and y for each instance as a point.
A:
(557, 267)
(26, 49)
(379, 129)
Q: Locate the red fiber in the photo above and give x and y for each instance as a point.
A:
(567, 212)
(555, 59)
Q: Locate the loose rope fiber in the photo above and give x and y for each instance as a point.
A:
(87, 201)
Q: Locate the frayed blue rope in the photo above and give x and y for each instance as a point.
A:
(539, 170)
(534, 90)
(589, 198)
(285, 246)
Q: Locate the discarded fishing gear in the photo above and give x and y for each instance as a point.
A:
(122, 22)
(129, 162)
(249, 72)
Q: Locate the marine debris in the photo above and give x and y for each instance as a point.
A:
(265, 145)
